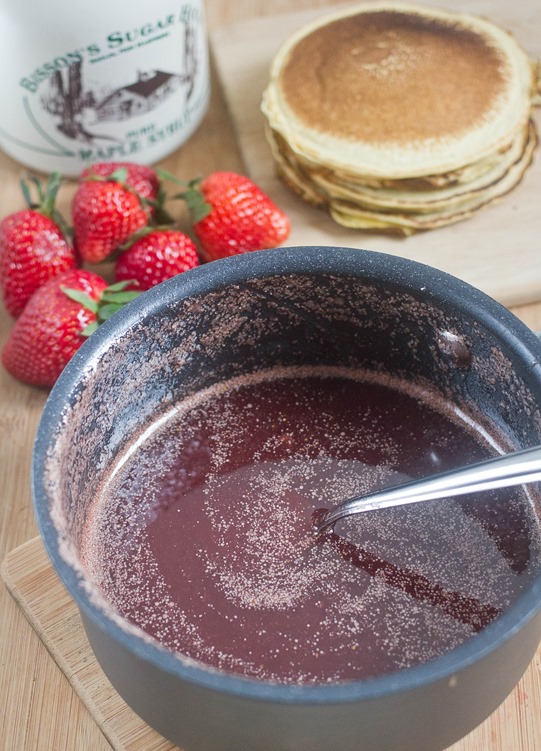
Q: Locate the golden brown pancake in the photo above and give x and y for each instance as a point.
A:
(396, 108)
(399, 91)
(357, 78)
(403, 195)
(406, 223)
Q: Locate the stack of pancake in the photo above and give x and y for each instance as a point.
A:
(400, 118)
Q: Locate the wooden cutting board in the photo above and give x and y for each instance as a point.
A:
(27, 572)
(497, 250)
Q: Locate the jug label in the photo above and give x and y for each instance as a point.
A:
(133, 93)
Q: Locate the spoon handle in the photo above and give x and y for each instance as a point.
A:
(516, 468)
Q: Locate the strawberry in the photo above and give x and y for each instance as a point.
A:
(231, 215)
(33, 246)
(55, 323)
(154, 256)
(106, 211)
(143, 180)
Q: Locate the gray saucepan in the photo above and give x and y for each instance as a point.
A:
(300, 305)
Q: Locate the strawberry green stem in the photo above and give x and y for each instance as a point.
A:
(165, 175)
(46, 196)
(113, 298)
(119, 175)
(191, 195)
(46, 199)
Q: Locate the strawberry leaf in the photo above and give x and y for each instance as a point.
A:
(88, 330)
(119, 286)
(66, 230)
(106, 311)
(165, 175)
(119, 298)
(82, 298)
(119, 175)
(160, 214)
(40, 192)
(192, 196)
(26, 193)
(48, 196)
(195, 201)
(46, 199)
(113, 298)
(141, 232)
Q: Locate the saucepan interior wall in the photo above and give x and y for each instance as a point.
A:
(281, 319)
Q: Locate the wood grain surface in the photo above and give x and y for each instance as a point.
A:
(39, 710)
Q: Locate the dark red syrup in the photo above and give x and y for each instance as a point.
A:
(203, 534)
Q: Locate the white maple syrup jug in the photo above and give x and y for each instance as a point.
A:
(100, 81)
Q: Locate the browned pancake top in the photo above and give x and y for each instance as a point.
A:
(389, 76)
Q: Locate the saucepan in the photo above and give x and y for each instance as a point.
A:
(292, 306)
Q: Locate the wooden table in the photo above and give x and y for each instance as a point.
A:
(39, 710)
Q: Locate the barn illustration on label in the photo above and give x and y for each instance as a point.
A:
(77, 108)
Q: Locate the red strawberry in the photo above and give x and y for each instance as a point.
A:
(143, 180)
(238, 216)
(55, 322)
(106, 211)
(156, 256)
(33, 247)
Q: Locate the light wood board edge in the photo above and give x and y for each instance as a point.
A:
(33, 583)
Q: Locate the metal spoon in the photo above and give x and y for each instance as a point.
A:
(516, 468)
